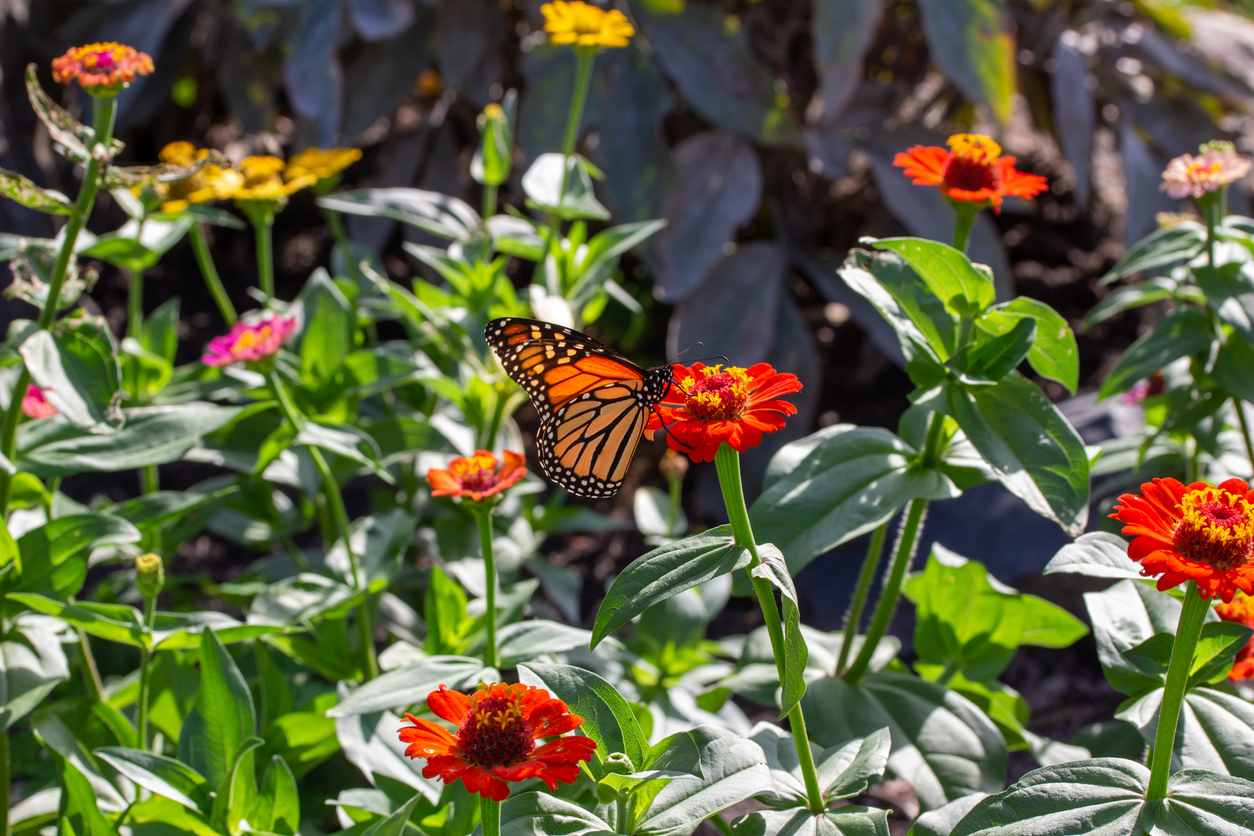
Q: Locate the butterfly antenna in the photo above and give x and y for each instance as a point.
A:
(697, 344)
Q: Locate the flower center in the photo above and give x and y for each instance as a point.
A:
(1216, 528)
(101, 60)
(478, 473)
(495, 733)
(587, 20)
(972, 165)
(720, 395)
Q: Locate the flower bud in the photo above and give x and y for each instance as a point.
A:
(494, 157)
(673, 466)
(149, 575)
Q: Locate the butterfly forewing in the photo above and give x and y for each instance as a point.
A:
(593, 402)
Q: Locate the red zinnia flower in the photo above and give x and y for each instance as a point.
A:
(972, 171)
(477, 477)
(35, 403)
(707, 405)
(497, 730)
(103, 69)
(1200, 533)
(1241, 611)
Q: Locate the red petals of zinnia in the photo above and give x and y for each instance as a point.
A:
(477, 477)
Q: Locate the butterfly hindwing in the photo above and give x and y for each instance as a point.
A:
(593, 402)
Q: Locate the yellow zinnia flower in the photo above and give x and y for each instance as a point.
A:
(210, 182)
(584, 26)
(264, 180)
(320, 163)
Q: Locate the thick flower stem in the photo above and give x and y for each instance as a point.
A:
(102, 124)
(336, 222)
(263, 229)
(853, 618)
(579, 97)
(489, 201)
(339, 517)
(145, 665)
(4, 783)
(964, 219)
(483, 516)
(490, 816)
(209, 271)
(1192, 615)
(134, 303)
(727, 461)
(1245, 428)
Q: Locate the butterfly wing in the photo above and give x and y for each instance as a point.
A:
(593, 402)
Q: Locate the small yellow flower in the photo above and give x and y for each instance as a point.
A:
(209, 183)
(584, 26)
(264, 180)
(320, 163)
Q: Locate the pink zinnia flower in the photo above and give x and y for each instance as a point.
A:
(1217, 165)
(35, 403)
(249, 343)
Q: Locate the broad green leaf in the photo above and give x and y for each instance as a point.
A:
(438, 214)
(949, 274)
(394, 825)
(304, 739)
(137, 245)
(157, 815)
(1181, 334)
(847, 820)
(843, 771)
(54, 555)
(78, 363)
(410, 685)
(326, 327)
(1202, 802)
(182, 630)
(541, 814)
(60, 740)
(377, 542)
(1131, 296)
(237, 791)
(16, 187)
(941, 821)
(924, 325)
(971, 41)
(115, 622)
(942, 744)
(161, 775)
(608, 719)
(344, 440)
(1234, 367)
(80, 803)
(276, 809)
(529, 639)
(1216, 650)
(32, 663)
(445, 613)
(1054, 354)
(544, 181)
(837, 484)
(370, 743)
(1033, 450)
(1215, 731)
(303, 597)
(1098, 554)
(774, 570)
(1178, 242)
(222, 718)
(998, 356)
(664, 572)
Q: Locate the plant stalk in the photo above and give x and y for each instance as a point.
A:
(339, 516)
(209, 271)
(727, 461)
(490, 816)
(853, 618)
(145, 665)
(964, 219)
(1245, 429)
(1192, 615)
(489, 201)
(341, 237)
(483, 516)
(5, 830)
(134, 303)
(579, 98)
(104, 110)
(263, 230)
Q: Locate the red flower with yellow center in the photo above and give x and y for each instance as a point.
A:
(707, 405)
(972, 171)
(1200, 533)
(477, 477)
(1241, 611)
(495, 743)
(103, 69)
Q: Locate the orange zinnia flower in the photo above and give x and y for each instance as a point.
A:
(103, 69)
(495, 743)
(477, 477)
(707, 405)
(972, 171)
(1241, 611)
(1199, 533)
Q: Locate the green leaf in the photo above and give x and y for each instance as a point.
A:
(344, 440)
(115, 622)
(438, 214)
(445, 612)
(971, 41)
(378, 542)
(54, 555)
(326, 327)
(1217, 649)
(1098, 554)
(1124, 616)
(796, 655)
(997, 357)
(32, 663)
(394, 825)
(608, 719)
(848, 820)
(161, 775)
(925, 329)
(222, 718)
(837, 484)
(543, 184)
(1201, 802)
(942, 744)
(301, 598)
(410, 685)
(137, 246)
(529, 639)
(1131, 296)
(237, 791)
(541, 814)
(1054, 353)
(1234, 367)
(1178, 242)
(949, 274)
(79, 365)
(1215, 730)
(78, 140)
(16, 187)
(79, 803)
(843, 771)
(664, 572)
(1181, 334)
(1033, 449)
(276, 809)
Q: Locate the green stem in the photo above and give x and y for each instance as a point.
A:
(298, 556)
(727, 462)
(150, 482)
(1187, 632)
(262, 228)
(494, 425)
(948, 673)
(964, 219)
(90, 670)
(1212, 206)
(489, 201)
(339, 517)
(853, 618)
(4, 783)
(490, 816)
(134, 303)
(483, 516)
(104, 110)
(1245, 428)
(579, 97)
(145, 664)
(341, 237)
(675, 484)
(200, 245)
(721, 824)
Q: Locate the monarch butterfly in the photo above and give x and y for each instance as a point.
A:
(593, 402)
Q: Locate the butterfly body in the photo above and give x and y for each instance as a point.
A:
(593, 402)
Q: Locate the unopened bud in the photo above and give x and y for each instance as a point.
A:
(149, 575)
(494, 157)
(673, 466)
